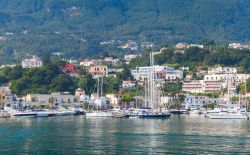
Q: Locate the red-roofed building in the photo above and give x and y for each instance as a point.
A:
(70, 69)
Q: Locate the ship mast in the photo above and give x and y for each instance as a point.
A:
(150, 84)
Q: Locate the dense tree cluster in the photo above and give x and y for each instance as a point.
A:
(45, 79)
(194, 57)
(50, 78)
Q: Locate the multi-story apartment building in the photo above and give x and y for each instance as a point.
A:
(172, 74)
(160, 72)
(193, 86)
(99, 70)
(227, 78)
(222, 70)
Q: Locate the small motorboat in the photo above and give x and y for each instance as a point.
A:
(4, 114)
(99, 114)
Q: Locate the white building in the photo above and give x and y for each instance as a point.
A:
(129, 57)
(128, 84)
(172, 74)
(183, 68)
(140, 73)
(227, 78)
(238, 46)
(161, 72)
(199, 101)
(222, 70)
(193, 86)
(115, 98)
(194, 102)
(185, 45)
(87, 63)
(169, 100)
(111, 59)
(196, 45)
(181, 45)
(32, 63)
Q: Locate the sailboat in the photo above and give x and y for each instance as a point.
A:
(152, 96)
(98, 100)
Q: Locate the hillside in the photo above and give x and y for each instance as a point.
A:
(76, 27)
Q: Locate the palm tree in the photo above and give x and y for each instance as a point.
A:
(52, 99)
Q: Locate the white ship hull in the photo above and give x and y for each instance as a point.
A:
(64, 113)
(226, 116)
(99, 114)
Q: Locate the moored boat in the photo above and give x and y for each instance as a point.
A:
(226, 115)
(99, 114)
(155, 115)
(43, 113)
(4, 114)
(24, 114)
(64, 113)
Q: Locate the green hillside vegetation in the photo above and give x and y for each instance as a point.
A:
(76, 27)
(50, 78)
(194, 57)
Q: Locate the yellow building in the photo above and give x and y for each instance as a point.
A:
(5, 95)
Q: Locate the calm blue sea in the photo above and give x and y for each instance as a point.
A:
(79, 135)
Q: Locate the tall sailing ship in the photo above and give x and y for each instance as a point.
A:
(153, 94)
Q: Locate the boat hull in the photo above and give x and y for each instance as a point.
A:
(25, 115)
(226, 116)
(157, 116)
(99, 115)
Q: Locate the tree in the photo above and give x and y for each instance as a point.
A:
(13, 73)
(85, 105)
(82, 71)
(87, 83)
(3, 79)
(126, 100)
(63, 83)
(46, 59)
(52, 99)
(173, 87)
(248, 85)
(125, 74)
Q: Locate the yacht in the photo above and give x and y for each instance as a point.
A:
(215, 110)
(194, 111)
(154, 115)
(99, 114)
(78, 111)
(43, 113)
(227, 115)
(25, 113)
(64, 113)
(202, 111)
(179, 111)
(4, 114)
